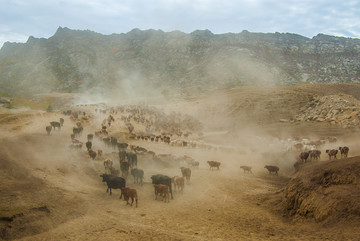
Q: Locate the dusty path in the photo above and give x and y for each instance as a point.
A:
(215, 205)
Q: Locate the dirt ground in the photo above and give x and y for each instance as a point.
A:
(50, 192)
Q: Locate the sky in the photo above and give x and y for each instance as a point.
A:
(20, 19)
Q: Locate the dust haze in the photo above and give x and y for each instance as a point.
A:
(54, 191)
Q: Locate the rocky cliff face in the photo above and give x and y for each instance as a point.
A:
(151, 61)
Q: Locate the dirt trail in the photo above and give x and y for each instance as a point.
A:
(215, 205)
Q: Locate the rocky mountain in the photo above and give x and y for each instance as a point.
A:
(153, 61)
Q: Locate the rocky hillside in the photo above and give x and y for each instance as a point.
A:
(342, 110)
(154, 61)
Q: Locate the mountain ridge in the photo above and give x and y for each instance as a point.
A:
(154, 62)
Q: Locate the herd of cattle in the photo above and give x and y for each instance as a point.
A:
(128, 159)
(314, 155)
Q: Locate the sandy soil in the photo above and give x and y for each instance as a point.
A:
(49, 192)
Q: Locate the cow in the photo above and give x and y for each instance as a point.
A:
(88, 145)
(178, 183)
(99, 153)
(107, 164)
(48, 129)
(92, 154)
(138, 174)
(304, 156)
(55, 124)
(129, 193)
(114, 172)
(122, 156)
(132, 159)
(124, 167)
(106, 140)
(195, 164)
(122, 146)
(332, 153)
(163, 190)
(113, 141)
(246, 169)
(162, 179)
(315, 154)
(186, 172)
(272, 169)
(61, 121)
(344, 151)
(213, 164)
(77, 131)
(90, 137)
(76, 146)
(113, 182)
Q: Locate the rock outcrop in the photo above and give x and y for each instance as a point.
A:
(342, 110)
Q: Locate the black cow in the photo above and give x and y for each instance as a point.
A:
(55, 124)
(113, 182)
(272, 169)
(88, 145)
(106, 140)
(122, 156)
(113, 141)
(162, 179)
(124, 167)
(137, 174)
(132, 159)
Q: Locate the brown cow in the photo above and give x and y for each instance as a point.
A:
(332, 153)
(129, 193)
(48, 129)
(315, 154)
(62, 121)
(186, 172)
(92, 154)
(99, 153)
(90, 137)
(178, 183)
(195, 164)
(344, 151)
(213, 164)
(114, 172)
(246, 169)
(108, 164)
(163, 190)
(76, 146)
(304, 156)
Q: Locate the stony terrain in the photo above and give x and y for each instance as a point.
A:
(170, 63)
(50, 192)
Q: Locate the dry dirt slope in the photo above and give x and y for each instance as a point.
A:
(327, 191)
(50, 193)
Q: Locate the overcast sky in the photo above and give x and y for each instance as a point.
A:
(20, 19)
